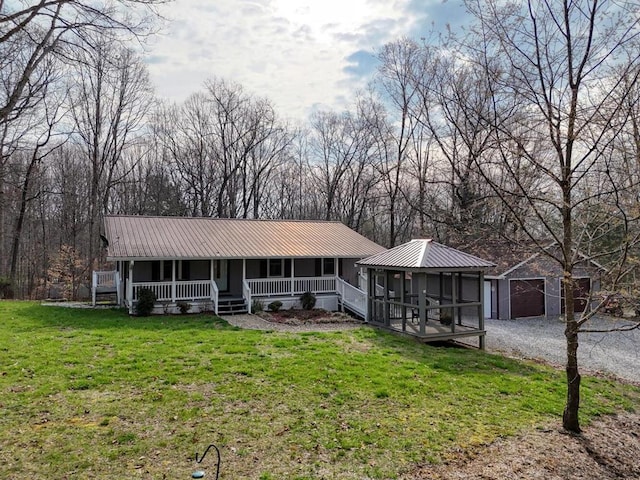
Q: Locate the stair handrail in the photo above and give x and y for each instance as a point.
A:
(215, 295)
(246, 293)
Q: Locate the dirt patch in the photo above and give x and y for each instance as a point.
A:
(316, 316)
(607, 449)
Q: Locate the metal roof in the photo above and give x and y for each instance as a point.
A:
(425, 253)
(141, 237)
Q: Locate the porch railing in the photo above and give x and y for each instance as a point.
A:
(105, 282)
(262, 287)
(184, 290)
(352, 297)
(246, 293)
(215, 295)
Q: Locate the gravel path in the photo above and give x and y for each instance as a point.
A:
(616, 353)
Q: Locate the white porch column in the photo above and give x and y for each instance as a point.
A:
(293, 284)
(130, 287)
(173, 281)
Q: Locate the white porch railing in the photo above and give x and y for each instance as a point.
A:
(105, 282)
(215, 295)
(246, 293)
(352, 297)
(184, 290)
(264, 287)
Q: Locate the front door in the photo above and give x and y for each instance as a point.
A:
(221, 274)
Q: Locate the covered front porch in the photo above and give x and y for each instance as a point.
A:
(214, 284)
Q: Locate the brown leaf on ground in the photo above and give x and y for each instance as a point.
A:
(607, 449)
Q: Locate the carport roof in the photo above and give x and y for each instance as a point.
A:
(425, 253)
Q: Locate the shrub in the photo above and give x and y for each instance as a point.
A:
(5, 288)
(184, 307)
(146, 302)
(275, 306)
(256, 306)
(308, 300)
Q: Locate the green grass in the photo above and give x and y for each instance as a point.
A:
(98, 394)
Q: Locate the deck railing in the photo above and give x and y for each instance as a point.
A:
(264, 287)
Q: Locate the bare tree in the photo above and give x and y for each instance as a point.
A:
(110, 97)
(341, 165)
(557, 73)
(47, 28)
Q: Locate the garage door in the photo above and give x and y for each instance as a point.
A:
(580, 294)
(527, 298)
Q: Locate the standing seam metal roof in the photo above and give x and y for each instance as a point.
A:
(424, 253)
(133, 237)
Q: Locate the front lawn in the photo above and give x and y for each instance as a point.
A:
(98, 394)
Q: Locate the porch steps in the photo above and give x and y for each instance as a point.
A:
(232, 305)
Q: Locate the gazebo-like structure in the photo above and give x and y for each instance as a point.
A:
(428, 290)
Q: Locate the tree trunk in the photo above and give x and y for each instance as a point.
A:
(17, 231)
(570, 419)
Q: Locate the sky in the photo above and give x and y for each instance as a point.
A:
(303, 55)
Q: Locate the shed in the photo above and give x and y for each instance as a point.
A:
(525, 282)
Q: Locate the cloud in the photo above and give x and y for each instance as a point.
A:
(301, 54)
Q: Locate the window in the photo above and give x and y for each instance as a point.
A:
(328, 266)
(166, 268)
(183, 270)
(275, 267)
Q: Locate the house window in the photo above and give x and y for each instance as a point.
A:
(328, 266)
(166, 269)
(183, 270)
(275, 267)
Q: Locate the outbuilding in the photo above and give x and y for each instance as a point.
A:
(428, 290)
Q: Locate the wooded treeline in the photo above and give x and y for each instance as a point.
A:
(450, 142)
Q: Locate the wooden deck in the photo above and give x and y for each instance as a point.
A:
(434, 330)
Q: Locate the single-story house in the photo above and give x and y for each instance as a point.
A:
(224, 265)
(526, 282)
(426, 289)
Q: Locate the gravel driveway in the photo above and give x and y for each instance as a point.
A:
(616, 353)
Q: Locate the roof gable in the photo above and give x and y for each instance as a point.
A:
(132, 237)
(425, 253)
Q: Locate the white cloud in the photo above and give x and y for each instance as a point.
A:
(292, 51)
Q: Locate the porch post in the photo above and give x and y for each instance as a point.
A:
(387, 307)
(244, 270)
(403, 300)
(481, 309)
(211, 272)
(293, 285)
(455, 311)
(422, 302)
(130, 287)
(173, 281)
